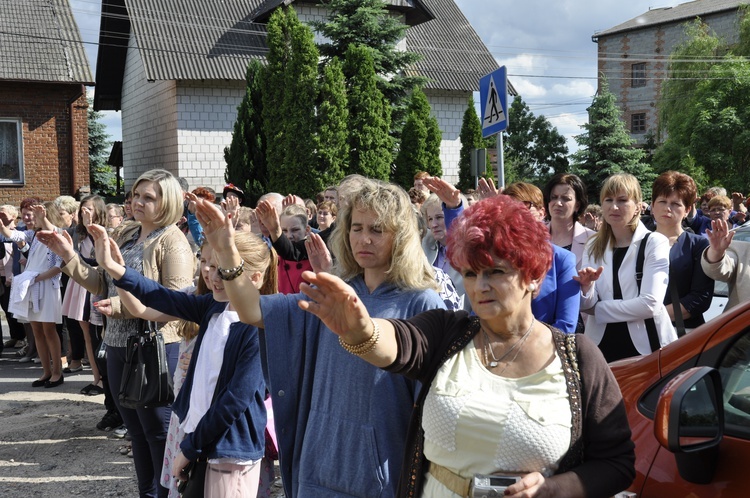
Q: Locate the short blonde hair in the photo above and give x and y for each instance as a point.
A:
(408, 267)
(257, 256)
(67, 203)
(171, 203)
(295, 210)
(11, 210)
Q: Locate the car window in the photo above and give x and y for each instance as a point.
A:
(735, 379)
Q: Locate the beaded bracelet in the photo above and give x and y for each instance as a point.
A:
(364, 347)
(232, 273)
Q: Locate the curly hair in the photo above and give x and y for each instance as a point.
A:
(500, 227)
(408, 268)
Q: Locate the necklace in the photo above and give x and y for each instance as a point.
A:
(496, 361)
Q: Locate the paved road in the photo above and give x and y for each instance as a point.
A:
(49, 444)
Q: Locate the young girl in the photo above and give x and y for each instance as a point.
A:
(222, 415)
(76, 302)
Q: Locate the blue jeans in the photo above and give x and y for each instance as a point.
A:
(147, 427)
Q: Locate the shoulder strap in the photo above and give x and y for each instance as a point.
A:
(639, 260)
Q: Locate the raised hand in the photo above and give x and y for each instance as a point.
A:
(218, 227)
(59, 243)
(102, 248)
(446, 192)
(719, 237)
(289, 200)
(587, 276)
(592, 221)
(87, 215)
(104, 306)
(269, 218)
(487, 189)
(318, 253)
(231, 205)
(336, 304)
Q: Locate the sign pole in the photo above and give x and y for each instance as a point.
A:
(500, 162)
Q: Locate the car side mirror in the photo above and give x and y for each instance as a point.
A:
(689, 422)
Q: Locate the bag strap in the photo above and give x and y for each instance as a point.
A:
(639, 261)
(653, 336)
(677, 309)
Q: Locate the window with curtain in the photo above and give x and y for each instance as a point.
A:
(11, 151)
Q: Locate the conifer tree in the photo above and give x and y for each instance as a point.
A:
(333, 136)
(471, 138)
(368, 23)
(606, 147)
(369, 117)
(297, 173)
(278, 40)
(418, 141)
(246, 155)
(101, 176)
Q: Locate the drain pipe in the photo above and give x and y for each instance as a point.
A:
(71, 133)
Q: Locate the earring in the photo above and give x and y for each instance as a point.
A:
(532, 287)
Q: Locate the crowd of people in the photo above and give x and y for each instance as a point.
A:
(405, 341)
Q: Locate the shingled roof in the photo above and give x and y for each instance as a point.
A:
(40, 42)
(679, 13)
(208, 39)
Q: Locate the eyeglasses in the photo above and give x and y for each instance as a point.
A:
(528, 204)
(718, 210)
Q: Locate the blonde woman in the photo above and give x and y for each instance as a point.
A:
(627, 318)
(344, 421)
(156, 248)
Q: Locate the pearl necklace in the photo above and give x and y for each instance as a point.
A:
(496, 361)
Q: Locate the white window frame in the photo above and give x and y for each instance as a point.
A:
(7, 179)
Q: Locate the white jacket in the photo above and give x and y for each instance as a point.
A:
(633, 308)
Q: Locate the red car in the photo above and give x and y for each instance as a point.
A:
(689, 409)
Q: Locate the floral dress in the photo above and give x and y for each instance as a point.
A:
(175, 435)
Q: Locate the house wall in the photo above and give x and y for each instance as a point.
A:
(618, 52)
(206, 113)
(149, 121)
(449, 108)
(44, 110)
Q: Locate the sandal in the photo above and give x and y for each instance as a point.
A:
(92, 390)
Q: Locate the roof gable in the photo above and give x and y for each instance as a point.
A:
(208, 39)
(664, 15)
(41, 42)
(415, 11)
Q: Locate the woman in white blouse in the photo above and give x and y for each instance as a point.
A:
(627, 318)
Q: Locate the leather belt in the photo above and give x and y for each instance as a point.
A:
(457, 484)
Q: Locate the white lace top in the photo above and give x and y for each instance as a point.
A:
(476, 422)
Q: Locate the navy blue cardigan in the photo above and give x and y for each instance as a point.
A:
(234, 425)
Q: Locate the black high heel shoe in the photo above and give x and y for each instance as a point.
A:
(56, 383)
(41, 382)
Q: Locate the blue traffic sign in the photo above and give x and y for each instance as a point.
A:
(493, 98)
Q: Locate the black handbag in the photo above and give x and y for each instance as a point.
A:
(146, 381)
(194, 486)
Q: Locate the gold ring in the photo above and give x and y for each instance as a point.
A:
(209, 223)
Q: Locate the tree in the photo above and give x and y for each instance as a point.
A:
(246, 155)
(705, 107)
(419, 150)
(606, 147)
(369, 117)
(333, 131)
(273, 89)
(471, 138)
(368, 23)
(534, 149)
(102, 178)
(298, 172)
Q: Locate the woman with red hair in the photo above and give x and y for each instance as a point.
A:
(503, 393)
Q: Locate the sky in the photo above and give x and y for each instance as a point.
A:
(545, 45)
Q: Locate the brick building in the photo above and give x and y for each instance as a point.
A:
(43, 106)
(177, 69)
(634, 55)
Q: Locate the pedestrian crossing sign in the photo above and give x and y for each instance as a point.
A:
(493, 98)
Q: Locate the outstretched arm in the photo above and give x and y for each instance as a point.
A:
(719, 238)
(339, 307)
(109, 257)
(218, 228)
